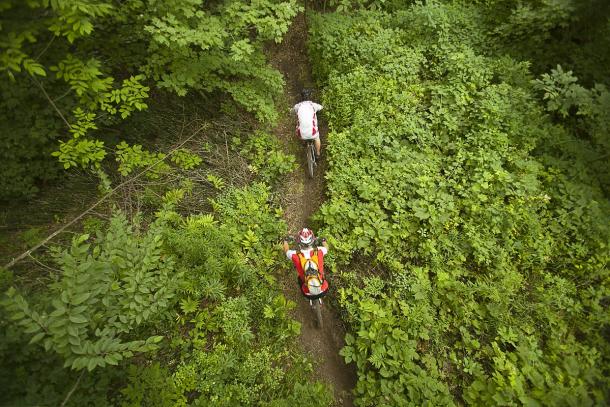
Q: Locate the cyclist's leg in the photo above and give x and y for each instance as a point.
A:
(318, 145)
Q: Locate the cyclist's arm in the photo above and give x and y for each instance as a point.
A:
(316, 107)
(289, 252)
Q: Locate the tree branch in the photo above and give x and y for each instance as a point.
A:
(73, 388)
(102, 199)
(51, 102)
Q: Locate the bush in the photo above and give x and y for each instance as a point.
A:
(447, 175)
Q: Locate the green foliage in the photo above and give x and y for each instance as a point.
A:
(276, 313)
(31, 237)
(315, 394)
(532, 22)
(99, 60)
(397, 371)
(562, 92)
(190, 47)
(224, 376)
(6, 278)
(254, 223)
(83, 153)
(211, 256)
(207, 284)
(484, 214)
(582, 111)
(150, 386)
(204, 281)
(235, 338)
(133, 157)
(235, 314)
(22, 163)
(29, 377)
(95, 91)
(266, 158)
(70, 19)
(185, 159)
(84, 78)
(188, 305)
(105, 292)
(217, 182)
(232, 341)
(84, 123)
(129, 98)
(74, 17)
(89, 153)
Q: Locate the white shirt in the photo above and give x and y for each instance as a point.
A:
(308, 122)
(306, 252)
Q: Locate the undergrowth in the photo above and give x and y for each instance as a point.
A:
(467, 207)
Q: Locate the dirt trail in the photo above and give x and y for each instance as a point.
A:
(302, 196)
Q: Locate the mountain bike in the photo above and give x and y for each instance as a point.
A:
(314, 286)
(310, 152)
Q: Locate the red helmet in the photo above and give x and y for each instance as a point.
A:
(306, 236)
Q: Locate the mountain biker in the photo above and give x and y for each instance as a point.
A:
(309, 262)
(307, 129)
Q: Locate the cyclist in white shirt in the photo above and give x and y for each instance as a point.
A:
(307, 129)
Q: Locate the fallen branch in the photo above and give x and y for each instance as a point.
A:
(102, 199)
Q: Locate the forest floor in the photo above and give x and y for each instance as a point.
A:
(301, 197)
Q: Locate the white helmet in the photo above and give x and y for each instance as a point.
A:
(306, 236)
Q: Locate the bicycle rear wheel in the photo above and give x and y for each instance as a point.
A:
(317, 309)
(311, 158)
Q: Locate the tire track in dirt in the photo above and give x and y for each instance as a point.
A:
(301, 197)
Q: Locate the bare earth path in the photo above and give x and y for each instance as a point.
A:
(302, 196)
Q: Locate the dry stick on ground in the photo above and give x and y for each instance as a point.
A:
(102, 199)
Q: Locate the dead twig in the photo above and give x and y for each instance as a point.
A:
(43, 265)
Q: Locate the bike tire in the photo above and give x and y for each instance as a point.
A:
(317, 310)
(311, 159)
